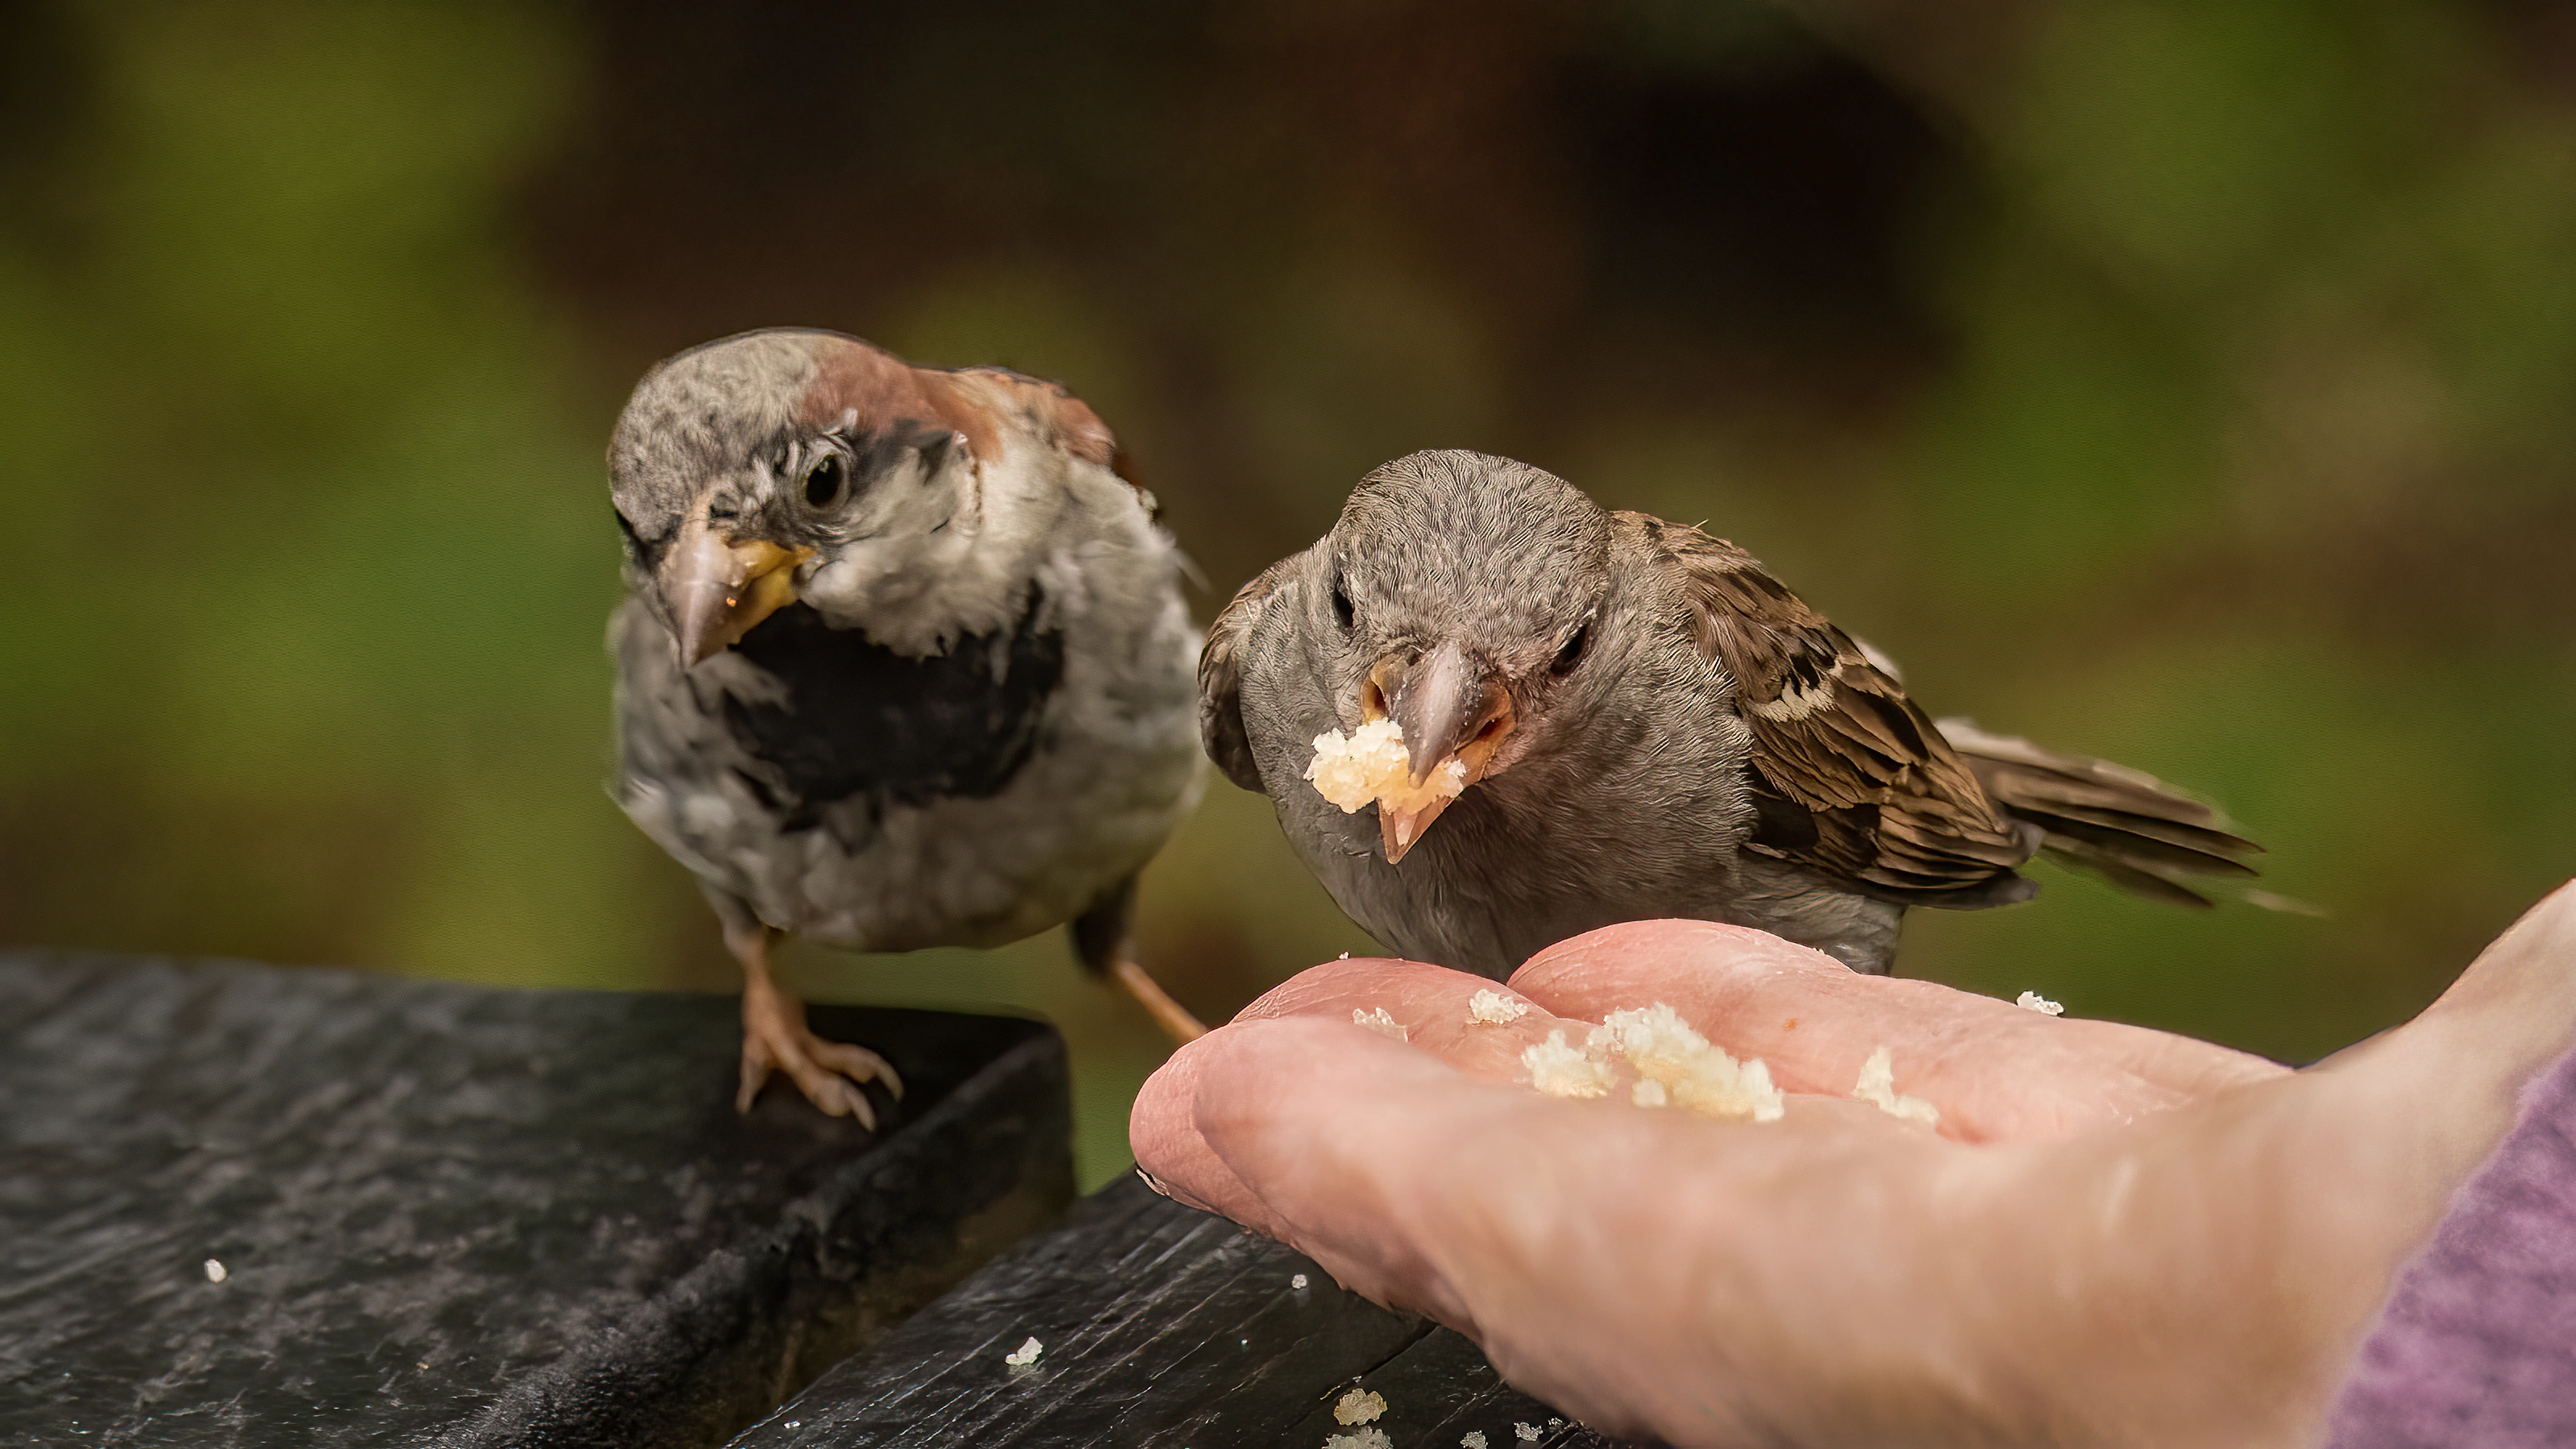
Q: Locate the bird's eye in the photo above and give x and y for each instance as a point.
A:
(823, 481)
(1572, 654)
(1342, 613)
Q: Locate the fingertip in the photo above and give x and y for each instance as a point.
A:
(1163, 1133)
(1699, 950)
(1337, 985)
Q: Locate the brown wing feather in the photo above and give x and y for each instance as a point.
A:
(1221, 729)
(1859, 783)
(2140, 832)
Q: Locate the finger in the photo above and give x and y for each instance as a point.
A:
(1430, 1004)
(1997, 1072)
(1557, 1234)
(1165, 1129)
(1163, 1133)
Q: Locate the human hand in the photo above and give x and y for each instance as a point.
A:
(2116, 1235)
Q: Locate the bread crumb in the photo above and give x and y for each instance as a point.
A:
(1026, 1354)
(1359, 1407)
(1381, 1022)
(216, 1272)
(1562, 1071)
(1493, 1008)
(1877, 1085)
(1371, 1437)
(1371, 765)
(1528, 1432)
(2033, 1001)
(1472, 1439)
(1666, 1050)
(1649, 1093)
(1298, 1282)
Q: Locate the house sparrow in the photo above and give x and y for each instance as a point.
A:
(1606, 717)
(902, 663)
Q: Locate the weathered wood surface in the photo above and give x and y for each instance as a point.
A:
(466, 1217)
(1164, 1327)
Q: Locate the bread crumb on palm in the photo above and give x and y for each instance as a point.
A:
(1359, 1407)
(2033, 1001)
(1370, 765)
(1381, 1021)
(1371, 1437)
(1026, 1354)
(1675, 1066)
(1877, 1086)
(1692, 1073)
(1493, 1008)
(1563, 1071)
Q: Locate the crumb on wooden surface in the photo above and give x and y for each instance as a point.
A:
(1359, 1406)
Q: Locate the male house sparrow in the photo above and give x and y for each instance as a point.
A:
(903, 662)
(1644, 723)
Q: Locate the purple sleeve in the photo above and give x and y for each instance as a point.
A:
(2476, 1346)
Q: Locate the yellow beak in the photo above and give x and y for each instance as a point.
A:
(717, 590)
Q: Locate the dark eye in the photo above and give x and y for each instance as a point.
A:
(1342, 613)
(1572, 654)
(823, 480)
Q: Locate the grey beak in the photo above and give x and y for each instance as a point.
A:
(1446, 701)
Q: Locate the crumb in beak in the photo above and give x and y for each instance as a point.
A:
(1370, 765)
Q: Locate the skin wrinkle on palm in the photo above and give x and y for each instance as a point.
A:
(2188, 1257)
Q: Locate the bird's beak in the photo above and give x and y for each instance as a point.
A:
(1450, 707)
(717, 590)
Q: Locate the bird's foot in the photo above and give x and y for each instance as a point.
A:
(774, 1038)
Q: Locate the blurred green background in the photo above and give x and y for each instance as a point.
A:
(2190, 383)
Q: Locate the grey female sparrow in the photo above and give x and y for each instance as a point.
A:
(1646, 724)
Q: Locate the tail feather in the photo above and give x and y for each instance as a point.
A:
(2130, 828)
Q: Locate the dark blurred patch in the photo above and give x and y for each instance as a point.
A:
(1727, 231)
(47, 111)
(1756, 219)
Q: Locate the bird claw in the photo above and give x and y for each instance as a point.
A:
(827, 1072)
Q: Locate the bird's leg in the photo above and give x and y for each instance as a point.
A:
(1168, 1014)
(1104, 943)
(774, 1038)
